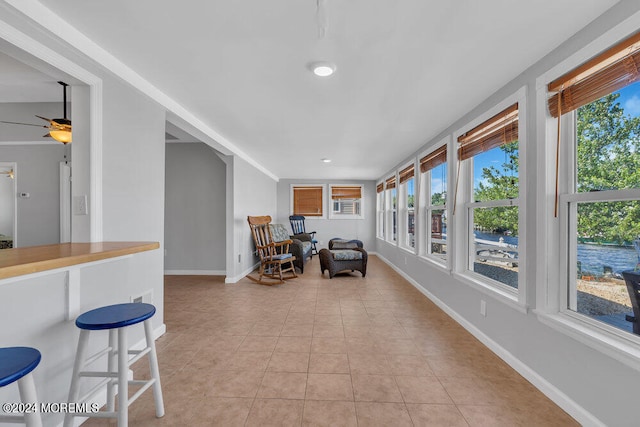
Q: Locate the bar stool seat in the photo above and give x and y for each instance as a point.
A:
(16, 364)
(116, 319)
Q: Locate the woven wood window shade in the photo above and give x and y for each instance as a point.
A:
(307, 201)
(606, 73)
(380, 188)
(391, 183)
(433, 159)
(498, 130)
(346, 193)
(406, 174)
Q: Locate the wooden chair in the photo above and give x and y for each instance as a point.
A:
(274, 256)
(297, 226)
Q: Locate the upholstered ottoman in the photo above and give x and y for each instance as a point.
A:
(337, 260)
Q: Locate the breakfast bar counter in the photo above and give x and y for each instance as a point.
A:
(33, 259)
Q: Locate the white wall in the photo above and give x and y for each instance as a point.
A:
(195, 209)
(590, 384)
(37, 173)
(326, 229)
(254, 194)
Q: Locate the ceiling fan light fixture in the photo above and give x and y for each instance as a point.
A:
(63, 136)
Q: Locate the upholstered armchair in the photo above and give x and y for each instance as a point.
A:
(300, 248)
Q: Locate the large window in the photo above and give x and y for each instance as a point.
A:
(599, 181)
(380, 210)
(346, 202)
(407, 207)
(391, 203)
(433, 172)
(308, 200)
(490, 152)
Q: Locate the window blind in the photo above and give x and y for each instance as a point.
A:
(433, 159)
(608, 72)
(380, 188)
(346, 192)
(391, 182)
(406, 174)
(498, 130)
(307, 201)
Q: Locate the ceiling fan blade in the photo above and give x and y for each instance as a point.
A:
(44, 118)
(23, 124)
(48, 135)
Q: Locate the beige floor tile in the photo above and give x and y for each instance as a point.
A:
(422, 390)
(266, 329)
(328, 345)
(295, 329)
(288, 344)
(491, 416)
(470, 391)
(428, 415)
(233, 384)
(382, 414)
(248, 360)
(276, 413)
(328, 331)
(375, 388)
(221, 411)
(283, 385)
(402, 364)
(289, 362)
(366, 363)
(329, 387)
(329, 414)
(326, 363)
(257, 343)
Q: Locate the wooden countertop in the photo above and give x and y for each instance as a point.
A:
(20, 261)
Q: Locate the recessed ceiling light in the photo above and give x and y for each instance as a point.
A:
(323, 69)
(326, 160)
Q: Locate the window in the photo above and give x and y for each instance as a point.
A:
(346, 202)
(307, 200)
(598, 181)
(490, 154)
(391, 209)
(433, 172)
(407, 207)
(380, 210)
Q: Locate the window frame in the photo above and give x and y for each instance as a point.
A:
(551, 253)
(380, 212)
(333, 215)
(403, 210)
(390, 210)
(323, 202)
(463, 217)
(425, 207)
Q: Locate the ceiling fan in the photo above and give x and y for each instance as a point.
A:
(59, 129)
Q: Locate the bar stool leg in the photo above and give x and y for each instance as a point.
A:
(27, 389)
(74, 390)
(123, 380)
(153, 366)
(111, 367)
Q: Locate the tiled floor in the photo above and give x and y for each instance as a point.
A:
(342, 352)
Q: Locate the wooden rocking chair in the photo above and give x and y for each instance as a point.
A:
(274, 256)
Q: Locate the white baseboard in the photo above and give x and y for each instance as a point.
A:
(237, 278)
(195, 272)
(583, 416)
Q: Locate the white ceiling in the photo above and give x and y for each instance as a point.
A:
(406, 69)
(22, 83)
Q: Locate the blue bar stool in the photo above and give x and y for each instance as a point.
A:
(16, 364)
(116, 319)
